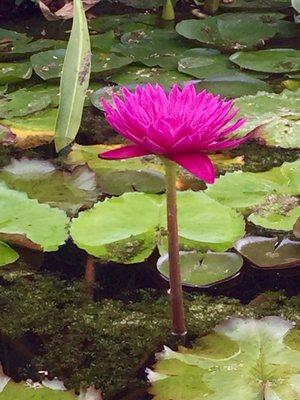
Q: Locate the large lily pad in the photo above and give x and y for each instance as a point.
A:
(245, 189)
(41, 180)
(269, 253)
(140, 75)
(28, 223)
(271, 60)
(204, 270)
(28, 100)
(7, 254)
(278, 113)
(32, 130)
(243, 359)
(14, 72)
(123, 22)
(113, 229)
(230, 31)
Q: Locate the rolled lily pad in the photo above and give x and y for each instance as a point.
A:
(242, 359)
(269, 253)
(204, 270)
(69, 191)
(14, 72)
(113, 229)
(140, 75)
(123, 23)
(28, 100)
(7, 254)
(26, 222)
(246, 189)
(229, 31)
(278, 114)
(31, 130)
(271, 60)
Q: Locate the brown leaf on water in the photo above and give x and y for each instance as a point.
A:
(65, 11)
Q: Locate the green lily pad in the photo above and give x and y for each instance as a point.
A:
(243, 359)
(104, 42)
(230, 31)
(28, 100)
(113, 229)
(278, 113)
(271, 60)
(204, 270)
(256, 4)
(7, 254)
(31, 130)
(69, 191)
(48, 64)
(246, 189)
(123, 23)
(14, 72)
(28, 223)
(107, 63)
(269, 253)
(143, 75)
(154, 47)
(145, 4)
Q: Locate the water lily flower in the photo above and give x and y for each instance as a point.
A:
(182, 126)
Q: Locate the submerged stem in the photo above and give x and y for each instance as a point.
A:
(178, 318)
(90, 275)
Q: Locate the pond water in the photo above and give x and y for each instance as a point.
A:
(107, 335)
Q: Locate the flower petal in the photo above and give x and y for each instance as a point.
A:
(199, 164)
(124, 152)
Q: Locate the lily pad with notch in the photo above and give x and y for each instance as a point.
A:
(269, 253)
(15, 72)
(204, 271)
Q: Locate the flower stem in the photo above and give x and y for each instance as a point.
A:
(90, 275)
(178, 319)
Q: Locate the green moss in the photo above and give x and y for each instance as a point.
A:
(105, 342)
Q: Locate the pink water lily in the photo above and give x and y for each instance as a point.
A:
(182, 126)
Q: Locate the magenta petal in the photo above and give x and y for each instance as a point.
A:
(125, 152)
(198, 164)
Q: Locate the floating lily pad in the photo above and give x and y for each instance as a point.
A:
(113, 229)
(28, 100)
(103, 42)
(107, 63)
(242, 359)
(145, 4)
(271, 60)
(204, 270)
(269, 253)
(153, 48)
(140, 75)
(245, 189)
(7, 254)
(28, 223)
(14, 72)
(31, 130)
(42, 181)
(123, 23)
(48, 64)
(230, 31)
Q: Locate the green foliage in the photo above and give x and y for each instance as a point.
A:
(243, 359)
(113, 229)
(15, 72)
(74, 80)
(7, 254)
(75, 330)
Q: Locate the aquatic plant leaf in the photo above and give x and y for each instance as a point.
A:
(14, 72)
(228, 31)
(123, 23)
(245, 189)
(41, 180)
(103, 42)
(143, 75)
(278, 114)
(271, 60)
(7, 255)
(203, 270)
(256, 5)
(266, 252)
(242, 359)
(31, 130)
(113, 229)
(145, 4)
(48, 64)
(74, 80)
(107, 63)
(28, 100)
(277, 220)
(296, 5)
(26, 222)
